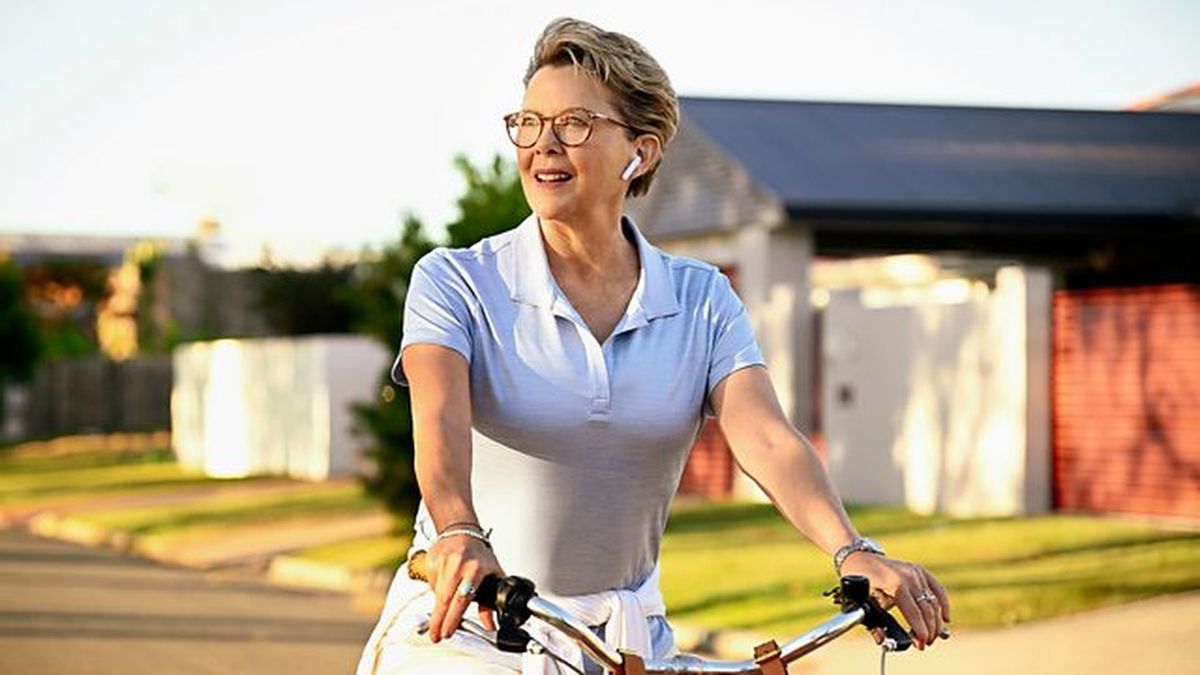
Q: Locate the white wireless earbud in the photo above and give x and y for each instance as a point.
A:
(631, 166)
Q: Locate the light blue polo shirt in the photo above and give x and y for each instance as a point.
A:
(577, 446)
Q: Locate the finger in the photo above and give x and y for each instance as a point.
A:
(454, 613)
(931, 613)
(913, 614)
(943, 597)
(878, 634)
(443, 595)
(458, 603)
(935, 611)
(488, 617)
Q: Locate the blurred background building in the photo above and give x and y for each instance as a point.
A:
(976, 310)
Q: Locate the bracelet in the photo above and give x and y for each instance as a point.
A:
(481, 536)
(861, 544)
(464, 523)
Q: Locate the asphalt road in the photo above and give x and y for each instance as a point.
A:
(76, 610)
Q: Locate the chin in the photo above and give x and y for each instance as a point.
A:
(548, 209)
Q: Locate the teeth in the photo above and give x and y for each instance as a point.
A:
(552, 177)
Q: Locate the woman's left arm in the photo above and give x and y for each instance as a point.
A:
(782, 462)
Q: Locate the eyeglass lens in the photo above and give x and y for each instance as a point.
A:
(571, 128)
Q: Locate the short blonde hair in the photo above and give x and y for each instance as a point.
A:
(640, 88)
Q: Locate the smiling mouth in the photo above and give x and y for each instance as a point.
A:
(550, 177)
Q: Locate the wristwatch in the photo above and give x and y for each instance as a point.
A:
(861, 544)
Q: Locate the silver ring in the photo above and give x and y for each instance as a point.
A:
(926, 597)
(466, 588)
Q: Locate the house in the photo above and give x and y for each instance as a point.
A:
(978, 310)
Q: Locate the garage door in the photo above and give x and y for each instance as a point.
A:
(1127, 400)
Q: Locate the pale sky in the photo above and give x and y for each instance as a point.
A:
(315, 124)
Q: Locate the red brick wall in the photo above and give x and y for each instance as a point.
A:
(1126, 387)
(709, 471)
(710, 467)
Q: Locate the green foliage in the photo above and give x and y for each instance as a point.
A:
(380, 287)
(20, 343)
(493, 202)
(65, 293)
(307, 302)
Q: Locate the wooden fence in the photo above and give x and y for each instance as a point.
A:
(91, 395)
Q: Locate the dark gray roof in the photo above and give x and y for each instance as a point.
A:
(853, 160)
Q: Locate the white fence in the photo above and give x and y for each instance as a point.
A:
(275, 406)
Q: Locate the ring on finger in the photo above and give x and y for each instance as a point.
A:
(466, 588)
(927, 596)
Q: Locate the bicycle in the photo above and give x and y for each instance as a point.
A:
(515, 600)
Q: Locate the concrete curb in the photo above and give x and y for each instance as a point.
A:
(279, 567)
(54, 526)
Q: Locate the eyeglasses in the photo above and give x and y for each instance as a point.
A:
(571, 128)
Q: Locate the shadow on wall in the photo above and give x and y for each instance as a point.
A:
(1127, 392)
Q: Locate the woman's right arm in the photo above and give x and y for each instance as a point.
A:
(441, 411)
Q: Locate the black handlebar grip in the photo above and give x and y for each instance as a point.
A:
(876, 617)
(485, 595)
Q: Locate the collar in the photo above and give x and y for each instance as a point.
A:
(529, 280)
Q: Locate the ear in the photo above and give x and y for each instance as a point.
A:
(650, 149)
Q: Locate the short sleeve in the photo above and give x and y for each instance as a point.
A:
(435, 310)
(734, 344)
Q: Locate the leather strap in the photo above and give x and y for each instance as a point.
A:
(767, 657)
(634, 665)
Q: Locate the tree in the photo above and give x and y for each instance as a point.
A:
(20, 341)
(306, 302)
(380, 286)
(493, 202)
(65, 293)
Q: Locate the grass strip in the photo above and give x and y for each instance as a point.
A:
(33, 479)
(214, 512)
(762, 576)
(369, 553)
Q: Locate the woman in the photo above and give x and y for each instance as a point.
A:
(559, 373)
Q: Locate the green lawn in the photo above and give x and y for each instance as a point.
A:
(383, 552)
(741, 566)
(204, 505)
(728, 565)
(222, 510)
(32, 479)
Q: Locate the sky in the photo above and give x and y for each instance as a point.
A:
(308, 126)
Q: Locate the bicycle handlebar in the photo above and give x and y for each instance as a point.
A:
(515, 599)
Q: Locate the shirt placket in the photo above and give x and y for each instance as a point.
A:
(599, 382)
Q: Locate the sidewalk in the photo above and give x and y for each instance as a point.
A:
(1153, 636)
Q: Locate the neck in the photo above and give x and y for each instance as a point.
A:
(594, 248)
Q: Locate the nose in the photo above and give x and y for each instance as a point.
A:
(547, 140)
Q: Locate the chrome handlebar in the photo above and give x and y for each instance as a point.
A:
(515, 600)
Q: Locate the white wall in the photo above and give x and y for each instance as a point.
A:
(937, 397)
(278, 406)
